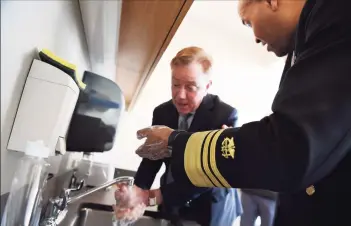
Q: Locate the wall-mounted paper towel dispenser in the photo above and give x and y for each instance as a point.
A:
(45, 110)
(95, 120)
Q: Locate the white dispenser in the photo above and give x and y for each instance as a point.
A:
(45, 110)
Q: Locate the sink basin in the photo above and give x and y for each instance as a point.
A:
(91, 214)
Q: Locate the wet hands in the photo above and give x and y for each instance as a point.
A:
(130, 203)
(155, 146)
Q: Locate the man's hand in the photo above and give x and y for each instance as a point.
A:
(127, 197)
(129, 215)
(226, 127)
(155, 146)
(130, 202)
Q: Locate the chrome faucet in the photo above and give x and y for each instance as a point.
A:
(56, 208)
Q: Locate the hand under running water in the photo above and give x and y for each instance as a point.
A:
(131, 203)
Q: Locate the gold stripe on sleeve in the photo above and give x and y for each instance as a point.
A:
(192, 160)
(213, 162)
(205, 159)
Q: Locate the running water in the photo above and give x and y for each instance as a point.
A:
(120, 222)
(131, 216)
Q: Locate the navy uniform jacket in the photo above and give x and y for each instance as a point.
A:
(211, 114)
(303, 149)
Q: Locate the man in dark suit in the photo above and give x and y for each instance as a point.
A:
(303, 149)
(191, 109)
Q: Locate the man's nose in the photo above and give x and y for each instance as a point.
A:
(182, 93)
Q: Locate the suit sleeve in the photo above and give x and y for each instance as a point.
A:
(304, 139)
(232, 119)
(176, 194)
(148, 169)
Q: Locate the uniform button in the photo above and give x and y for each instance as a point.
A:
(310, 190)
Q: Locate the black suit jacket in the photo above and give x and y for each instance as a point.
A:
(211, 114)
(307, 140)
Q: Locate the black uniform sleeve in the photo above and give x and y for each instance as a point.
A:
(148, 169)
(308, 133)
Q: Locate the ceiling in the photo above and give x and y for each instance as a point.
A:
(146, 29)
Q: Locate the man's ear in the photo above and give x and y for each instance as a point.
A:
(272, 4)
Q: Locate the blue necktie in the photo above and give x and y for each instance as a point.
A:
(183, 124)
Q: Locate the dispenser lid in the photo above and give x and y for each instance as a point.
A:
(48, 73)
(37, 149)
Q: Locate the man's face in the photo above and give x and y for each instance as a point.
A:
(273, 22)
(189, 86)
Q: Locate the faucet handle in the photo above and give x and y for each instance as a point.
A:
(65, 194)
(76, 186)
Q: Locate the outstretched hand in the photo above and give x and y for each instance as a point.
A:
(155, 146)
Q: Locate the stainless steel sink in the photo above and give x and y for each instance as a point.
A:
(91, 214)
(95, 209)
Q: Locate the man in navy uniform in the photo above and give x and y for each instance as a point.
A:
(191, 109)
(303, 149)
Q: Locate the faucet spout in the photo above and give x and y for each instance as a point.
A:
(129, 180)
(56, 209)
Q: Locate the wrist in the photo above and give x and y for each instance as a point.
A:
(171, 138)
(146, 197)
(155, 197)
